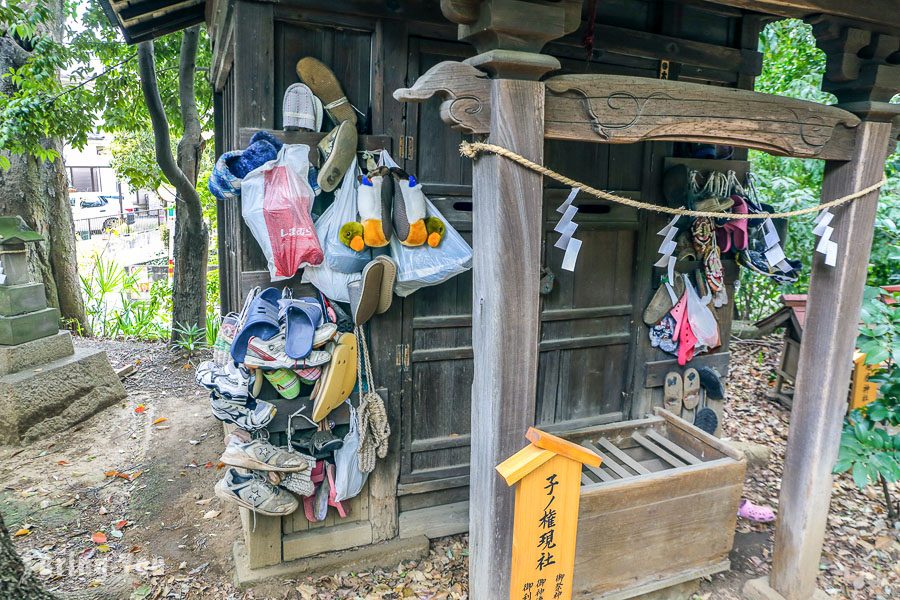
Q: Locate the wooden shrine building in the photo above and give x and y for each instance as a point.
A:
(599, 91)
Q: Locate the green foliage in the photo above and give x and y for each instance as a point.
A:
(213, 318)
(134, 159)
(190, 339)
(116, 308)
(868, 448)
(88, 48)
(793, 67)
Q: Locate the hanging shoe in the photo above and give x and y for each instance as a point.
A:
(260, 455)
(338, 149)
(325, 86)
(254, 493)
(301, 109)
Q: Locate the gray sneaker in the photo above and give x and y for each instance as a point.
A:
(254, 493)
(260, 455)
(248, 415)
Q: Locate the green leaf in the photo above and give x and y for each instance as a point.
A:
(860, 475)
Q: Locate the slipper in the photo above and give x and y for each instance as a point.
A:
(661, 302)
(387, 283)
(301, 109)
(365, 294)
(338, 378)
(332, 492)
(753, 512)
(309, 375)
(301, 317)
(707, 420)
(317, 477)
(410, 210)
(673, 392)
(285, 382)
(324, 334)
(261, 321)
(687, 342)
(714, 204)
(711, 381)
(325, 85)
(734, 234)
(374, 197)
(691, 394)
(338, 149)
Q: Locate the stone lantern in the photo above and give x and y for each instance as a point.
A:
(46, 383)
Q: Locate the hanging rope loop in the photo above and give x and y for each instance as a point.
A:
(471, 150)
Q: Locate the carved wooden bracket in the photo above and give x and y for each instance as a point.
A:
(466, 94)
(616, 109)
(621, 110)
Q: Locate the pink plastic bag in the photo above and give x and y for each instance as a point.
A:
(276, 201)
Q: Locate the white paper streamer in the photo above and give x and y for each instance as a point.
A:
(823, 230)
(566, 230)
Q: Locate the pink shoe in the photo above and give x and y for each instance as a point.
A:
(759, 514)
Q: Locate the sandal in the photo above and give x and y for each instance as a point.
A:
(673, 393)
(261, 321)
(691, 394)
(707, 420)
(753, 512)
(326, 87)
(711, 381)
(338, 149)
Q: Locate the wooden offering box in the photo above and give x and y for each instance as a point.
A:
(660, 510)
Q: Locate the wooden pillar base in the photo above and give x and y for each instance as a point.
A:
(759, 589)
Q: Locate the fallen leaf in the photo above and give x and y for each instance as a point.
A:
(134, 549)
(203, 502)
(120, 523)
(63, 463)
(208, 465)
(140, 409)
(99, 537)
(160, 420)
(883, 541)
(103, 548)
(116, 533)
(22, 532)
(112, 473)
(211, 514)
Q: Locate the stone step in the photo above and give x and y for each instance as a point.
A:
(21, 299)
(31, 326)
(39, 401)
(35, 353)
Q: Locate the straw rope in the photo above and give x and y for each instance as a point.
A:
(473, 149)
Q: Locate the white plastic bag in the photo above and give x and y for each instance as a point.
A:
(348, 479)
(421, 266)
(275, 202)
(338, 256)
(703, 321)
(328, 281)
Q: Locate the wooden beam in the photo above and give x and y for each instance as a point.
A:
(820, 392)
(504, 197)
(619, 109)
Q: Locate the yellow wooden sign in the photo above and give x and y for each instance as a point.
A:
(862, 391)
(547, 475)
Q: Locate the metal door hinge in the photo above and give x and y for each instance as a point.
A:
(407, 149)
(402, 358)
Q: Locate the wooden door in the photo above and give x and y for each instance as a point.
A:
(585, 332)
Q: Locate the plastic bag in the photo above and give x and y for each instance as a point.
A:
(275, 202)
(348, 479)
(333, 284)
(421, 266)
(338, 256)
(703, 321)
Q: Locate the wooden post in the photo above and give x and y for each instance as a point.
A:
(505, 322)
(820, 396)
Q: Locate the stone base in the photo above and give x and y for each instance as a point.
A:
(759, 589)
(31, 326)
(35, 353)
(384, 554)
(54, 396)
(21, 299)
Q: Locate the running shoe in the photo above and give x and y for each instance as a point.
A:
(253, 492)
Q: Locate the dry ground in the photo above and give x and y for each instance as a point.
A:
(164, 526)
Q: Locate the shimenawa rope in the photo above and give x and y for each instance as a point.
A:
(473, 149)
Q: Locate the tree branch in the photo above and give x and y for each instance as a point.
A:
(187, 97)
(162, 144)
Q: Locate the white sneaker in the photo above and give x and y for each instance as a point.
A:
(249, 416)
(270, 354)
(253, 492)
(260, 455)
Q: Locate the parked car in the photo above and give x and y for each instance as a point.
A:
(99, 211)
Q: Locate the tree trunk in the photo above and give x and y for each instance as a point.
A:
(38, 192)
(15, 580)
(191, 244)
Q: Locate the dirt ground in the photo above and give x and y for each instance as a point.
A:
(138, 479)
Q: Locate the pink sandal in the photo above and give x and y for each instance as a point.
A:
(753, 512)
